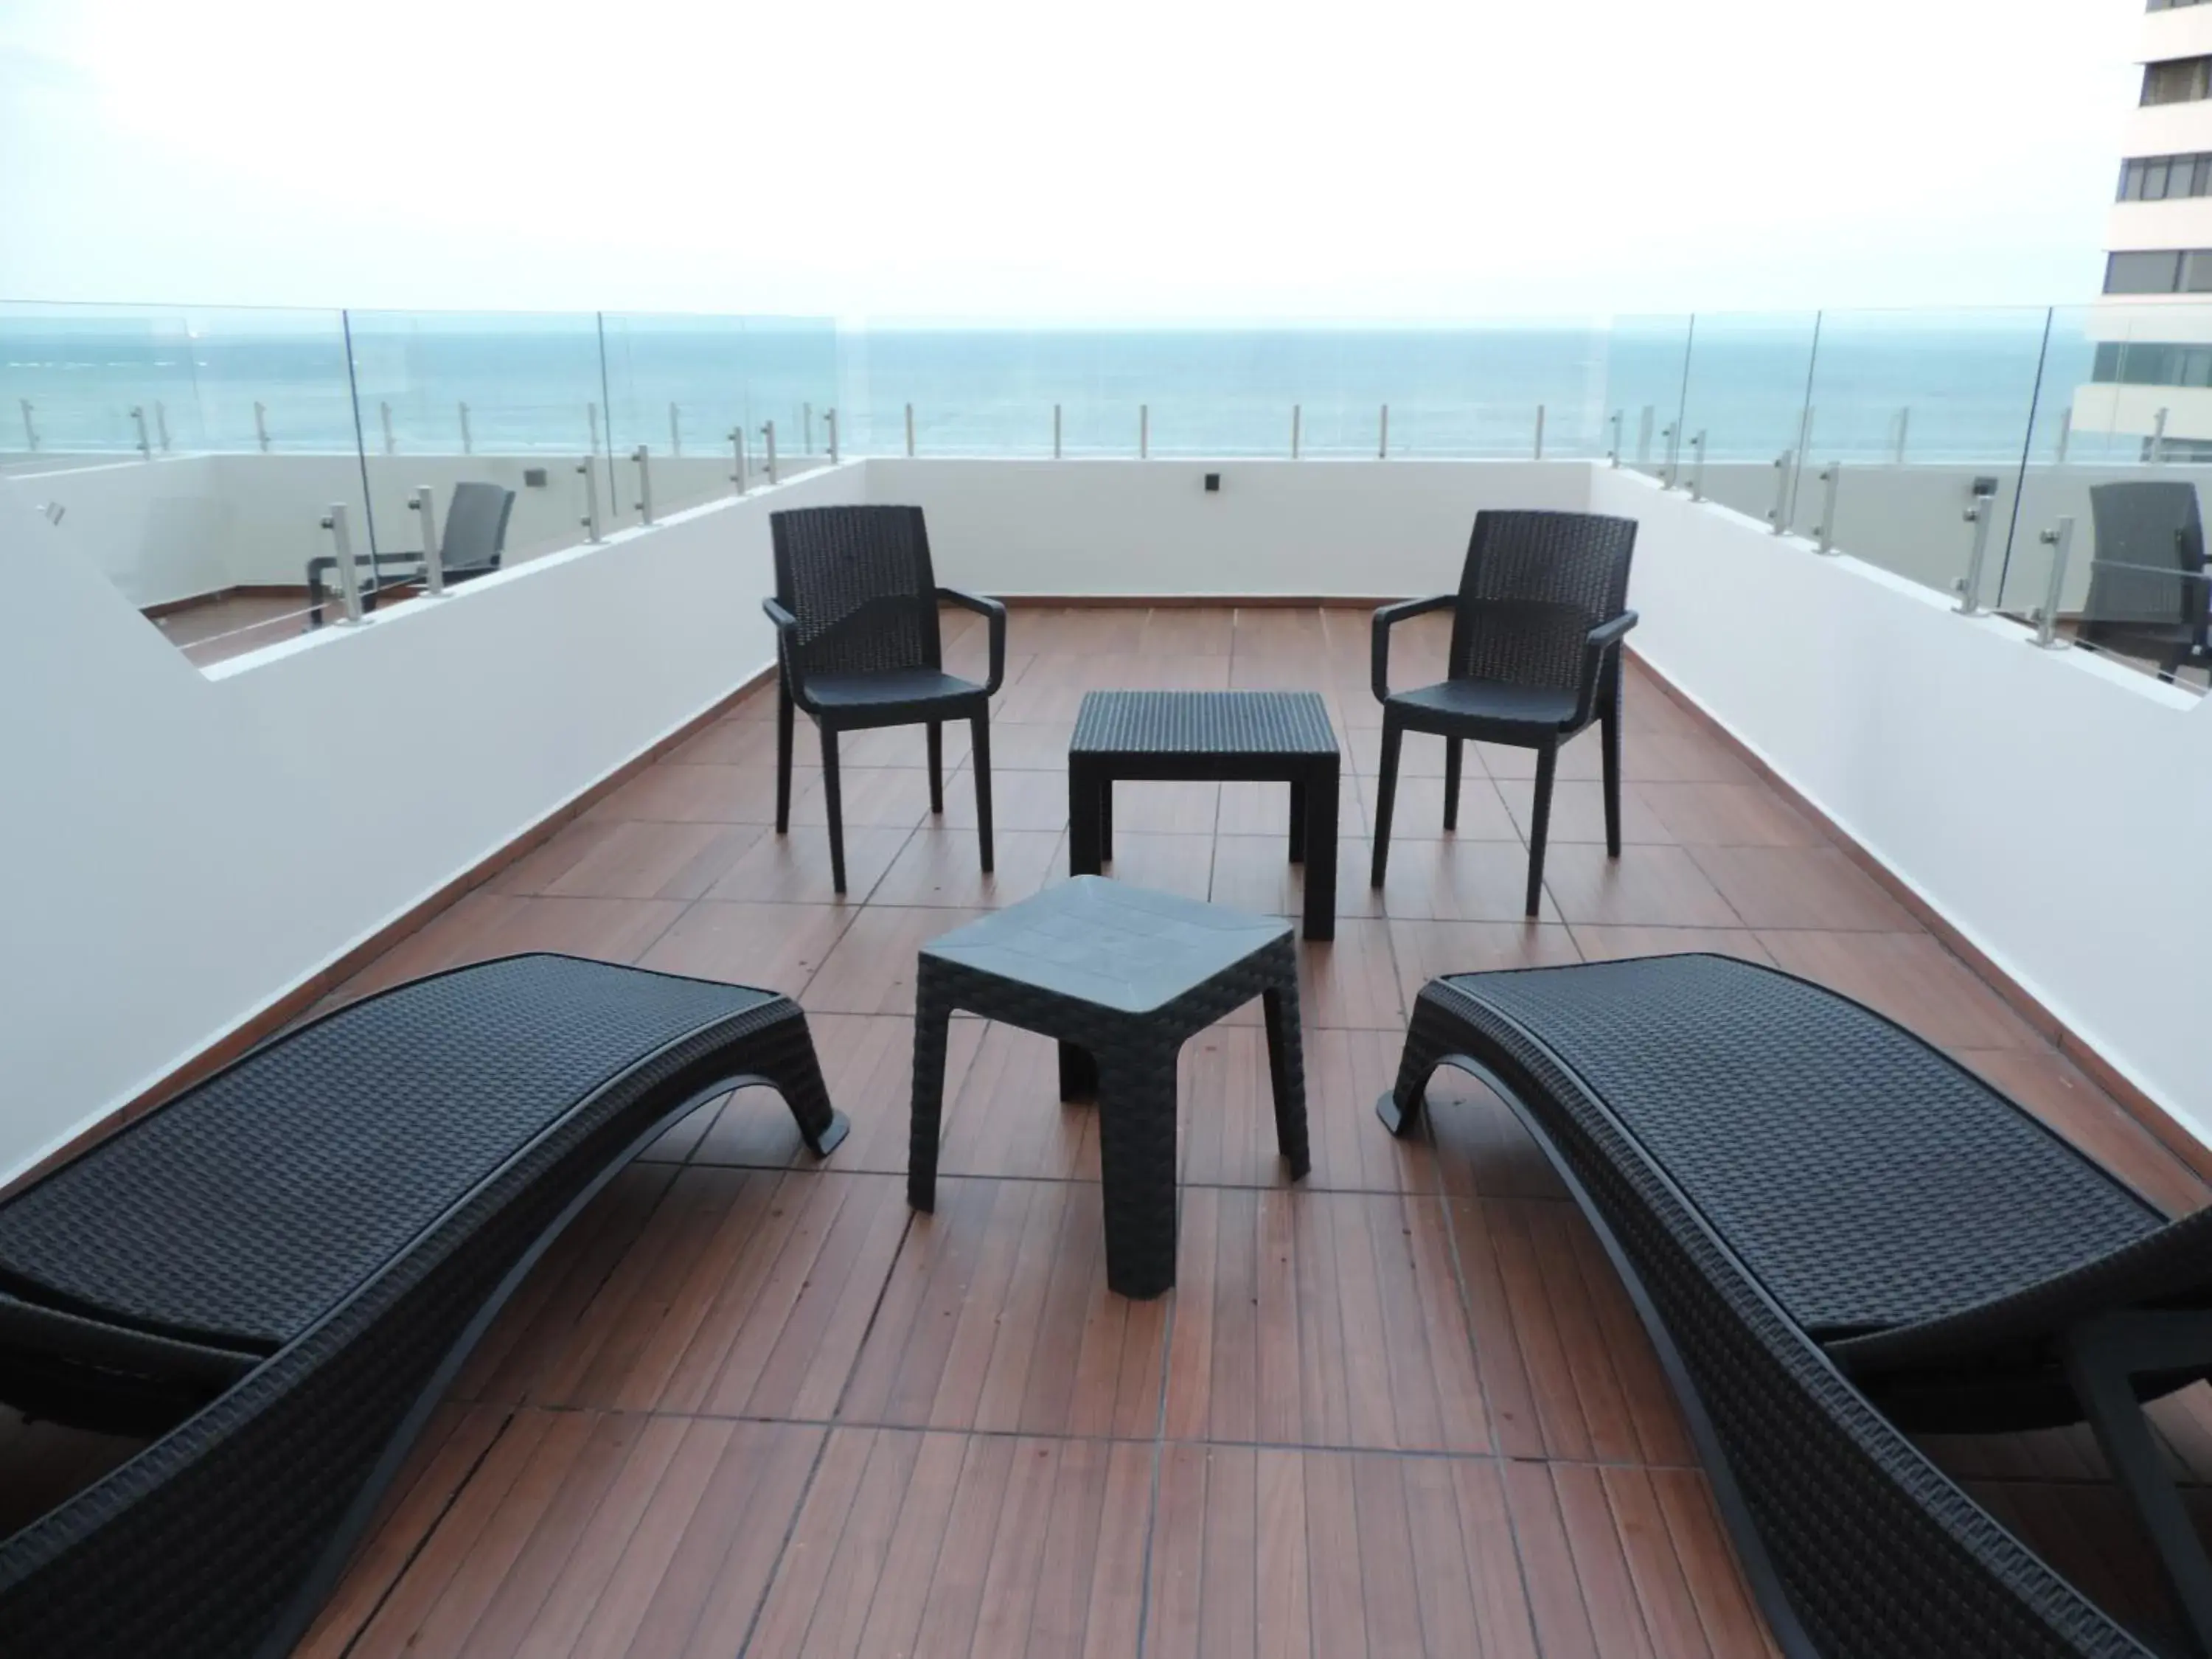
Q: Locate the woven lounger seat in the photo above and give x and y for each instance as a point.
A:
(279, 1272)
(1833, 1229)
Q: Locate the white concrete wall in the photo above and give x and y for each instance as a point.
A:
(1352, 528)
(181, 850)
(2051, 805)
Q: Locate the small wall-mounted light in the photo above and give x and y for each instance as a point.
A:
(1213, 483)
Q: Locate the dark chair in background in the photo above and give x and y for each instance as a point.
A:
(1535, 657)
(857, 647)
(475, 537)
(2149, 594)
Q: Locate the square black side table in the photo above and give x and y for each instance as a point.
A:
(1123, 977)
(1228, 736)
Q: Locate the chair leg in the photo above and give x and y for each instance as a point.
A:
(833, 798)
(937, 767)
(1137, 1167)
(1451, 783)
(1539, 821)
(1609, 732)
(979, 741)
(1386, 795)
(783, 724)
(1287, 1072)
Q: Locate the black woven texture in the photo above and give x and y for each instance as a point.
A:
(1866, 1178)
(208, 1542)
(1534, 585)
(251, 1206)
(1879, 1555)
(1203, 724)
(859, 582)
(1130, 1044)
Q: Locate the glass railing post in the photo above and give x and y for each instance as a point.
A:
(588, 470)
(1672, 435)
(1298, 419)
(909, 430)
(1778, 515)
(1144, 432)
(675, 432)
(1904, 428)
(31, 428)
(2157, 456)
(737, 455)
(468, 443)
(1612, 454)
(161, 423)
(138, 420)
(1643, 429)
(1696, 467)
(261, 425)
(342, 557)
(384, 413)
(643, 457)
(1382, 444)
(768, 448)
(1055, 430)
(1539, 433)
(1981, 514)
(2065, 436)
(1823, 533)
(2060, 540)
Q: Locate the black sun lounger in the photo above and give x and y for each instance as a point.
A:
(278, 1273)
(1836, 1233)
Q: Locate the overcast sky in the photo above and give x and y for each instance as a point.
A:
(1142, 158)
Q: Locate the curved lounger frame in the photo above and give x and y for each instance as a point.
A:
(225, 1536)
(1856, 1545)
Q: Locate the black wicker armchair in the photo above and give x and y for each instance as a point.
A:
(857, 647)
(473, 542)
(1535, 657)
(277, 1275)
(1835, 1234)
(2149, 593)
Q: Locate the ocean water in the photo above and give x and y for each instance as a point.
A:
(565, 385)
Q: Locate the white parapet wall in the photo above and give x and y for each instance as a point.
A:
(2050, 805)
(184, 849)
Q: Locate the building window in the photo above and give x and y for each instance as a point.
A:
(2173, 5)
(2143, 273)
(2176, 80)
(2128, 362)
(2163, 178)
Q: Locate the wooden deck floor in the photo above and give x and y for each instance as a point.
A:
(753, 1405)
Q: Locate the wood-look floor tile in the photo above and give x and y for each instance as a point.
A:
(1229, 1114)
(1802, 887)
(903, 745)
(1462, 881)
(1599, 942)
(1321, 1319)
(747, 1291)
(1728, 815)
(1167, 809)
(894, 796)
(1186, 631)
(1427, 950)
(737, 742)
(1254, 873)
(1646, 886)
(1019, 799)
(1911, 977)
(997, 1317)
(632, 859)
(1003, 1115)
(1166, 864)
(776, 947)
(1578, 813)
(944, 867)
(794, 868)
(1482, 1149)
(872, 969)
(1582, 760)
(1264, 808)
(696, 795)
(1419, 754)
(1417, 810)
(867, 1065)
(1030, 746)
(484, 925)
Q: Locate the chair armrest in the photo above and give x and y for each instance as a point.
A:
(1388, 619)
(996, 613)
(1600, 644)
(788, 653)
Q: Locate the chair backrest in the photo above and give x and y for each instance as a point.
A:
(1534, 585)
(858, 580)
(2150, 543)
(476, 528)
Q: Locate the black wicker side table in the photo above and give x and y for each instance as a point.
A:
(1227, 737)
(1123, 977)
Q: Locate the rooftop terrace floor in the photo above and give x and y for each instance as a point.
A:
(752, 1404)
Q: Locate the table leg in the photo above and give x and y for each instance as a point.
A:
(1320, 803)
(932, 1019)
(1297, 820)
(1286, 1071)
(1137, 1169)
(1079, 1073)
(1106, 820)
(1084, 855)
